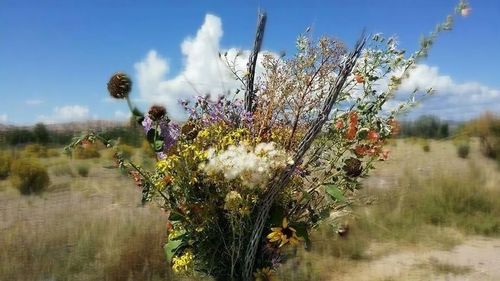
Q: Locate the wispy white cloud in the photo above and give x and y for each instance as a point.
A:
(452, 100)
(3, 118)
(120, 115)
(33, 102)
(203, 72)
(66, 113)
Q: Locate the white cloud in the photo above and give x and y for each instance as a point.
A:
(66, 113)
(120, 115)
(452, 100)
(203, 71)
(3, 118)
(33, 102)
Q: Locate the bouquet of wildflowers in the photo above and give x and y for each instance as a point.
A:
(247, 177)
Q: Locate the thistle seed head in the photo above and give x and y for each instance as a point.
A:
(157, 112)
(119, 85)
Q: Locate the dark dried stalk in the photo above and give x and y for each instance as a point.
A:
(282, 179)
(252, 62)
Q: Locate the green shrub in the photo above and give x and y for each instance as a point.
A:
(426, 147)
(487, 128)
(5, 163)
(29, 176)
(83, 170)
(53, 153)
(35, 151)
(63, 170)
(126, 150)
(86, 152)
(463, 150)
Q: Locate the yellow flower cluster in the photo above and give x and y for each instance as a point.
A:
(187, 156)
(184, 263)
(219, 137)
(174, 233)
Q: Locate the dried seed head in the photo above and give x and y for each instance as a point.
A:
(119, 85)
(352, 167)
(157, 112)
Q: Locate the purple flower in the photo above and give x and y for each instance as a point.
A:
(147, 123)
(169, 132)
(161, 155)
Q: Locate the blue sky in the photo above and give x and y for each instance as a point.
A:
(56, 56)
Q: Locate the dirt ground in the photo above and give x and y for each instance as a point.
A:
(477, 259)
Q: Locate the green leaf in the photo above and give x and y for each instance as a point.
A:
(335, 193)
(301, 229)
(137, 113)
(276, 215)
(171, 248)
(154, 138)
(174, 216)
(158, 145)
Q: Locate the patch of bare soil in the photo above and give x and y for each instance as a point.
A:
(476, 259)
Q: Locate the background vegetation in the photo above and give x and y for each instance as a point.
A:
(86, 221)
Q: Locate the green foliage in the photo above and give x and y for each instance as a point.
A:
(335, 193)
(127, 135)
(487, 128)
(29, 176)
(426, 126)
(463, 150)
(426, 146)
(5, 163)
(19, 136)
(35, 151)
(83, 170)
(41, 133)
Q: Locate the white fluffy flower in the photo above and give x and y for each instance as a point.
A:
(253, 166)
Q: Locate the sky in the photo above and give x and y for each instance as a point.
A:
(57, 56)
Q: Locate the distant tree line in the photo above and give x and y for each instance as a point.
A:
(41, 135)
(38, 134)
(426, 126)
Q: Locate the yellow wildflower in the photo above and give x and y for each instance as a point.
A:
(284, 234)
(184, 263)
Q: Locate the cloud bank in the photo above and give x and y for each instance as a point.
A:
(203, 71)
(452, 100)
(66, 113)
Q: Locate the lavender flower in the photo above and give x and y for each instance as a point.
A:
(161, 155)
(170, 133)
(147, 123)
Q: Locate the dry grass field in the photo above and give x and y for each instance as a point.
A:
(422, 216)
